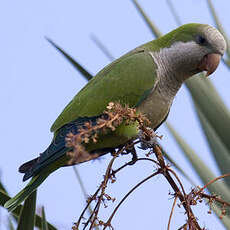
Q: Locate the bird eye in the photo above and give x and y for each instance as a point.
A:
(201, 40)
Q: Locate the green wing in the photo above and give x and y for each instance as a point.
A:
(126, 80)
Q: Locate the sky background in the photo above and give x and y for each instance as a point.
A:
(37, 82)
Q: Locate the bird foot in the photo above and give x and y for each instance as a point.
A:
(131, 149)
(148, 138)
(134, 156)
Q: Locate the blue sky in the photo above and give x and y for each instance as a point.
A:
(37, 82)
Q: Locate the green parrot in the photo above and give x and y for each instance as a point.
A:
(146, 78)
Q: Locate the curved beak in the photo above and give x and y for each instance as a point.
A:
(209, 63)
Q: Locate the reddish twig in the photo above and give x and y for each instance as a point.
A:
(192, 222)
(216, 198)
(108, 223)
(86, 207)
(172, 210)
(212, 181)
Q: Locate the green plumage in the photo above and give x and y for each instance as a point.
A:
(126, 79)
(136, 68)
(135, 79)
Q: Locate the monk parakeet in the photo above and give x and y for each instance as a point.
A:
(147, 78)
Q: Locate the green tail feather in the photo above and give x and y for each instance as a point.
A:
(23, 194)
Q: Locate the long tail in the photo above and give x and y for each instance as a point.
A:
(50, 160)
(23, 194)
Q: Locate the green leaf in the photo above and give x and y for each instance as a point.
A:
(27, 215)
(174, 13)
(38, 222)
(212, 107)
(102, 47)
(10, 224)
(2, 188)
(214, 118)
(219, 151)
(154, 29)
(205, 175)
(2, 197)
(225, 220)
(82, 187)
(79, 67)
(44, 222)
(226, 62)
(204, 172)
(177, 166)
(220, 27)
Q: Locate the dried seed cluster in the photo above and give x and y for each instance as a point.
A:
(114, 115)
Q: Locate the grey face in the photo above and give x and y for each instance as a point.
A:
(202, 53)
(211, 40)
(213, 45)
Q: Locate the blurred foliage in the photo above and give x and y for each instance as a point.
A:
(27, 216)
(211, 111)
(44, 222)
(4, 197)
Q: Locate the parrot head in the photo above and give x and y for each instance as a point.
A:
(192, 48)
(213, 46)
